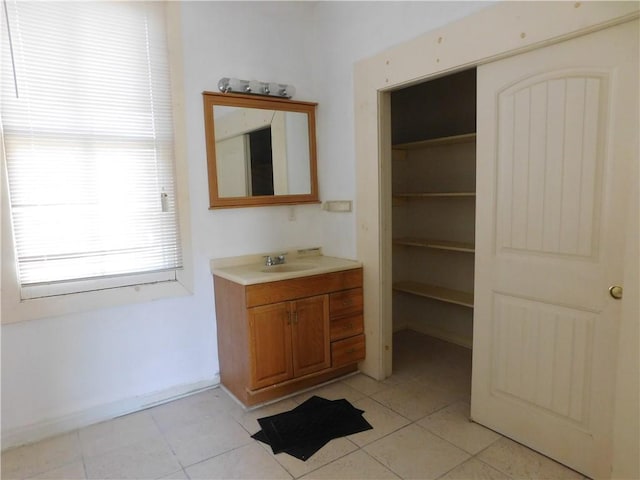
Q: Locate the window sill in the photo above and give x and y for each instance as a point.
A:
(54, 289)
(16, 310)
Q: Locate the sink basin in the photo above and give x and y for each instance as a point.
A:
(288, 267)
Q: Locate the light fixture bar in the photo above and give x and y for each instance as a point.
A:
(254, 87)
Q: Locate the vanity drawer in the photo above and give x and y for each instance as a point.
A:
(292, 289)
(345, 302)
(349, 350)
(344, 327)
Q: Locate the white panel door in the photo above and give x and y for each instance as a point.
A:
(557, 132)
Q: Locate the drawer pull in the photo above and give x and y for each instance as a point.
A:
(346, 302)
(351, 350)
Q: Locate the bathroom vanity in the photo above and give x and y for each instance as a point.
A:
(289, 326)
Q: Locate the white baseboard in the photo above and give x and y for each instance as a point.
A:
(421, 327)
(56, 426)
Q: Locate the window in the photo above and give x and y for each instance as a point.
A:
(88, 139)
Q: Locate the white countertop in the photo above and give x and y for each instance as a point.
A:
(250, 269)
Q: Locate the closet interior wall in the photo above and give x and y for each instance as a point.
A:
(433, 211)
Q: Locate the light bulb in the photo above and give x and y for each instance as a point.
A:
(289, 91)
(273, 88)
(223, 84)
(237, 85)
(281, 90)
(257, 87)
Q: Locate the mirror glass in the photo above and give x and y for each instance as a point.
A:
(261, 150)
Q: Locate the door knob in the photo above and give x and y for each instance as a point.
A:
(616, 291)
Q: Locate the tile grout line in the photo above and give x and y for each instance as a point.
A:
(164, 437)
(42, 472)
(82, 458)
(488, 464)
(328, 463)
(383, 465)
(184, 467)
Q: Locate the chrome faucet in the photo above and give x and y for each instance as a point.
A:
(274, 260)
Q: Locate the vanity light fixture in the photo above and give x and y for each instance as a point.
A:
(255, 87)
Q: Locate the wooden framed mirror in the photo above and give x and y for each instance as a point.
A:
(260, 150)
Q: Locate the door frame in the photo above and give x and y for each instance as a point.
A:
(524, 26)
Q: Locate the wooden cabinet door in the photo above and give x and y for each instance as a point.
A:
(310, 335)
(270, 344)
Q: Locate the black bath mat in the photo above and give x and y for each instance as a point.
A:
(303, 450)
(301, 453)
(303, 431)
(307, 450)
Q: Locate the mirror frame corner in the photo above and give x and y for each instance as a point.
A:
(212, 99)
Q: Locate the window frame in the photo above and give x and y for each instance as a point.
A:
(125, 289)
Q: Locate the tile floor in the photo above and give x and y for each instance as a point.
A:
(419, 415)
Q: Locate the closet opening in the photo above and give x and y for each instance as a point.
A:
(433, 136)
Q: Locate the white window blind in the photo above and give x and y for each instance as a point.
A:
(89, 141)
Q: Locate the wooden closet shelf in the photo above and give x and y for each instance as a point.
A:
(434, 194)
(437, 244)
(435, 142)
(438, 293)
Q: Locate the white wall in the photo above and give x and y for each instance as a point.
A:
(55, 370)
